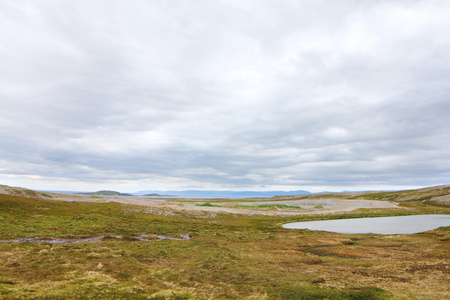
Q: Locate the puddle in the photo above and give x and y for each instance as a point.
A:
(380, 225)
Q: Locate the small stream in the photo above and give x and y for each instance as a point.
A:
(96, 239)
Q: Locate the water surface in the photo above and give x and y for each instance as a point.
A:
(381, 225)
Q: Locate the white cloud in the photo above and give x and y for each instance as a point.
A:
(225, 94)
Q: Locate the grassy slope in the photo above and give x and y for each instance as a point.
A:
(228, 257)
(424, 194)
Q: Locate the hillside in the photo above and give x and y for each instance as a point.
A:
(106, 193)
(23, 192)
(436, 195)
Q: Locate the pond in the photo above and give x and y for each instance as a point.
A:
(380, 225)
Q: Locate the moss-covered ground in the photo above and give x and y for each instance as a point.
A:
(227, 256)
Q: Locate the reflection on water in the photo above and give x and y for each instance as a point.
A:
(382, 225)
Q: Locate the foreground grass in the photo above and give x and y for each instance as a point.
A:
(227, 257)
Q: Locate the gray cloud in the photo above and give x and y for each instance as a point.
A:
(224, 94)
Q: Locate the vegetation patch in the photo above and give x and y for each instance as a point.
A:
(46, 195)
(106, 193)
(269, 206)
(207, 204)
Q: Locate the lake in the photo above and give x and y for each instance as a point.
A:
(381, 225)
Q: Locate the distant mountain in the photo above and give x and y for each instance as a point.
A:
(223, 194)
(106, 193)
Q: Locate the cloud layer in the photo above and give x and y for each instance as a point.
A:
(224, 94)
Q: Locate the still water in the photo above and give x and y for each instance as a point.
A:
(382, 225)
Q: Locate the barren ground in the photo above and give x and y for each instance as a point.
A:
(244, 206)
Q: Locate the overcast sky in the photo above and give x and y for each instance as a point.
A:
(240, 95)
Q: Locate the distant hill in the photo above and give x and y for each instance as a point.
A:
(224, 194)
(106, 193)
(23, 192)
(435, 195)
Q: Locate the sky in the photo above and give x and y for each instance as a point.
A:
(224, 95)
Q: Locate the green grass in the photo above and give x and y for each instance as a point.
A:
(227, 257)
(424, 194)
(269, 206)
(31, 193)
(208, 205)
